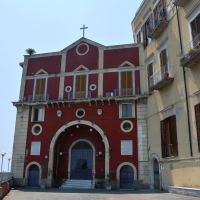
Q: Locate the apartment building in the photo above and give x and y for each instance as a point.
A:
(170, 33)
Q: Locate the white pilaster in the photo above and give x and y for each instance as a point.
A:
(62, 77)
(100, 74)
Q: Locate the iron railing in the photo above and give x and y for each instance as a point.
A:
(4, 176)
(128, 92)
(190, 50)
(79, 95)
(159, 75)
(40, 97)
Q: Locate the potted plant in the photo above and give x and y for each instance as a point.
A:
(100, 182)
(182, 58)
(57, 181)
(191, 51)
(43, 176)
(165, 74)
(109, 179)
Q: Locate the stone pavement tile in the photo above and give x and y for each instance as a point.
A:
(56, 194)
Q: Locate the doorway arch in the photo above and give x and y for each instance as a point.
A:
(33, 177)
(61, 130)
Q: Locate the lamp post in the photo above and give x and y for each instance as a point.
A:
(9, 162)
(2, 154)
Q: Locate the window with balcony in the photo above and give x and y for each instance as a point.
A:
(169, 144)
(150, 74)
(197, 116)
(146, 29)
(127, 110)
(126, 83)
(190, 54)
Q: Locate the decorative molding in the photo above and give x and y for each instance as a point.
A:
(81, 67)
(41, 72)
(126, 64)
(197, 94)
(146, 14)
(167, 112)
(161, 44)
(149, 58)
(192, 10)
(82, 44)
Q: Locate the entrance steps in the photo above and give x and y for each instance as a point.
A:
(78, 184)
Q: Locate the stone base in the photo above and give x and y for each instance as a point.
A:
(18, 182)
(138, 184)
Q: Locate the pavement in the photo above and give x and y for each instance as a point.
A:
(25, 193)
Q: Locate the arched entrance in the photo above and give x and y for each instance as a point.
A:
(156, 175)
(81, 161)
(126, 177)
(33, 178)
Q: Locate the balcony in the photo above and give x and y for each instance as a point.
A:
(161, 78)
(128, 92)
(190, 55)
(40, 97)
(79, 95)
(160, 23)
(180, 3)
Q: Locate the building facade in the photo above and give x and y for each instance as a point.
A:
(170, 34)
(82, 113)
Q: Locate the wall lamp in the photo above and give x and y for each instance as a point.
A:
(61, 154)
(101, 154)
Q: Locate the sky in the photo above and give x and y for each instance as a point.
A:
(49, 26)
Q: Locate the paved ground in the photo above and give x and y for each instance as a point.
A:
(98, 194)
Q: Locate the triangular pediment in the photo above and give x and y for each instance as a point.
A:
(41, 72)
(81, 68)
(82, 40)
(126, 64)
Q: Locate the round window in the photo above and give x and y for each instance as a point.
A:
(82, 49)
(93, 87)
(68, 89)
(36, 129)
(126, 126)
(80, 113)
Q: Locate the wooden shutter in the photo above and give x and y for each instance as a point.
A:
(126, 80)
(197, 116)
(81, 83)
(163, 138)
(40, 86)
(174, 136)
(163, 58)
(150, 73)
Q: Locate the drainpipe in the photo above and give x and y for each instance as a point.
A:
(186, 93)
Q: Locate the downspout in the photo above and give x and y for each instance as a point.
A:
(186, 93)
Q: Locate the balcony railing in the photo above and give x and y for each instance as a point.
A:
(160, 23)
(79, 95)
(161, 78)
(180, 3)
(40, 97)
(128, 92)
(190, 55)
(170, 150)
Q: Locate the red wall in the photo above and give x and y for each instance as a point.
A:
(114, 58)
(93, 79)
(29, 86)
(109, 122)
(53, 87)
(50, 64)
(68, 82)
(110, 82)
(90, 60)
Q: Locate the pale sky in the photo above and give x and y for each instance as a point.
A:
(49, 26)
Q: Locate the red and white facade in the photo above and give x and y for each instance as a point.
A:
(85, 94)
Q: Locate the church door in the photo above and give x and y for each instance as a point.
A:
(81, 161)
(126, 177)
(33, 179)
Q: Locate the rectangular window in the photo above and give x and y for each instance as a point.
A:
(169, 142)
(38, 114)
(195, 27)
(126, 83)
(126, 147)
(81, 86)
(197, 117)
(150, 74)
(127, 110)
(164, 63)
(35, 148)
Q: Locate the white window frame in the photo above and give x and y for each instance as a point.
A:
(189, 22)
(133, 78)
(133, 110)
(33, 112)
(74, 84)
(31, 153)
(35, 80)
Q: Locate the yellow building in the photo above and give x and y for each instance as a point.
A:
(170, 33)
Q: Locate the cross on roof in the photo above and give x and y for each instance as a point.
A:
(84, 29)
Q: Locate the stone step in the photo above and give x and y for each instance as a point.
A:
(77, 184)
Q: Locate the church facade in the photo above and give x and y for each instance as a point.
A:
(82, 114)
